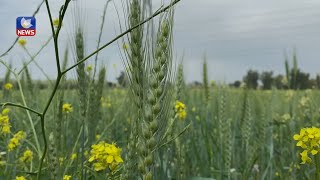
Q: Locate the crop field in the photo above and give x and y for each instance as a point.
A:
(151, 124)
(235, 133)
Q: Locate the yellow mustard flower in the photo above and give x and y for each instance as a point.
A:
(22, 42)
(27, 156)
(4, 124)
(6, 129)
(55, 22)
(180, 109)
(73, 156)
(20, 178)
(182, 115)
(89, 68)
(309, 140)
(304, 157)
(4, 119)
(125, 46)
(67, 108)
(98, 136)
(8, 86)
(179, 106)
(5, 111)
(15, 140)
(104, 155)
(66, 177)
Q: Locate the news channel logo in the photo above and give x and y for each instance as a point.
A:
(26, 26)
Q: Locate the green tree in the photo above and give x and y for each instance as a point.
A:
(318, 81)
(251, 79)
(302, 80)
(267, 79)
(278, 82)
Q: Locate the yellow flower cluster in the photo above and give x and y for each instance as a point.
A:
(27, 156)
(66, 177)
(125, 46)
(8, 86)
(180, 109)
(15, 141)
(104, 155)
(56, 22)
(4, 121)
(89, 68)
(309, 140)
(73, 156)
(67, 108)
(98, 136)
(20, 178)
(22, 42)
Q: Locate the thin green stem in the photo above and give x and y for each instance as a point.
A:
(63, 11)
(28, 113)
(50, 17)
(54, 34)
(20, 106)
(172, 139)
(42, 121)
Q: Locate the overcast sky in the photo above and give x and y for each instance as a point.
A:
(235, 35)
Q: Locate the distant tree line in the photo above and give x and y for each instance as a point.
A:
(268, 80)
(294, 78)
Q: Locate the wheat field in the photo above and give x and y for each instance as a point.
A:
(152, 124)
